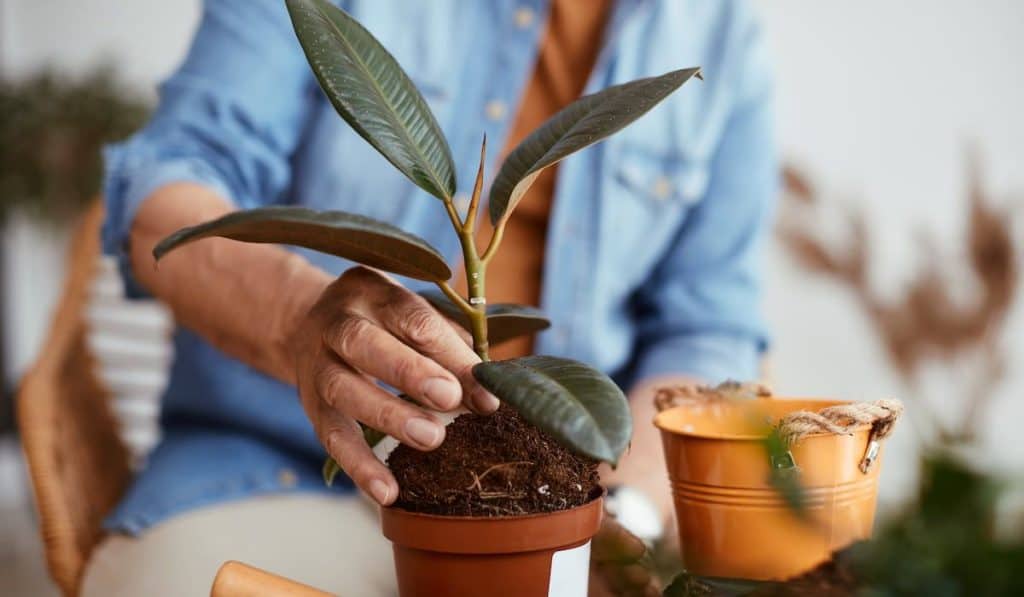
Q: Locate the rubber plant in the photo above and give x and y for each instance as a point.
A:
(578, 406)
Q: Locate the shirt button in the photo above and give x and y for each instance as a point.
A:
(287, 478)
(662, 188)
(496, 109)
(524, 17)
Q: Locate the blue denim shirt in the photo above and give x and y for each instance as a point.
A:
(654, 241)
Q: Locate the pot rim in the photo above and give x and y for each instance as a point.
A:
(424, 515)
(660, 423)
(493, 534)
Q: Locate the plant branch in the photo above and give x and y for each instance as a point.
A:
(454, 297)
(453, 215)
(474, 201)
(475, 275)
(476, 307)
(492, 247)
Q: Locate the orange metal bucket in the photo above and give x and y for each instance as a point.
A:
(732, 522)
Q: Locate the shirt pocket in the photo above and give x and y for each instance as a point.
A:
(648, 193)
(659, 180)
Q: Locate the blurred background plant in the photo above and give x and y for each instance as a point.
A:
(953, 309)
(962, 533)
(52, 129)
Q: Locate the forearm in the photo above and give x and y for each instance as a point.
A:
(643, 465)
(243, 298)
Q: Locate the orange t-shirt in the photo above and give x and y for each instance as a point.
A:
(567, 54)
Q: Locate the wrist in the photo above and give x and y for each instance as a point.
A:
(299, 286)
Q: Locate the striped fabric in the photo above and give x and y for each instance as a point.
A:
(131, 341)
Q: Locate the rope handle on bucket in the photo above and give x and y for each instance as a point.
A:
(882, 415)
(843, 419)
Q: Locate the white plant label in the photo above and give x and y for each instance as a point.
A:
(570, 569)
(387, 444)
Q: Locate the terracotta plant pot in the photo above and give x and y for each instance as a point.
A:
(537, 555)
(732, 522)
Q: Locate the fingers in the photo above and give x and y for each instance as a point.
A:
(354, 395)
(374, 351)
(343, 440)
(416, 323)
(411, 319)
(462, 332)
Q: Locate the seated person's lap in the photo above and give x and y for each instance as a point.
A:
(329, 542)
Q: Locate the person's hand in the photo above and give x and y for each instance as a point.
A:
(620, 563)
(365, 328)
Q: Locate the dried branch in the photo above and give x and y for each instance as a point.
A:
(928, 321)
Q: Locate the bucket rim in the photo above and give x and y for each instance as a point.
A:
(662, 424)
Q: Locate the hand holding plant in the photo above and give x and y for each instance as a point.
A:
(366, 328)
(577, 406)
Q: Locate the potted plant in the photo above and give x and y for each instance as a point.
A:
(525, 477)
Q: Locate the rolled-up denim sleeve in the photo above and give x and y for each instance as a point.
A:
(700, 311)
(229, 118)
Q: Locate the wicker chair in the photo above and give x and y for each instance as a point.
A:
(77, 460)
(78, 464)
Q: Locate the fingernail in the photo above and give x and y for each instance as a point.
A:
(380, 491)
(485, 401)
(425, 433)
(443, 393)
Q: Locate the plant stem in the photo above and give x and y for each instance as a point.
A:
(492, 246)
(475, 274)
(454, 297)
(476, 308)
(477, 187)
(476, 268)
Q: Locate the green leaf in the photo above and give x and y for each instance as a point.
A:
(371, 436)
(580, 407)
(361, 239)
(504, 320)
(580, 124)
(785, 474)
(329, 471)
(373, 94)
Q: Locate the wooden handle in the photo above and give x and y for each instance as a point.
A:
(235, 579)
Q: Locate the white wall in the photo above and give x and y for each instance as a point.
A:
(146, 39)
(879, 98)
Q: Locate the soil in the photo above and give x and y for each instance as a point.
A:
(495, 465)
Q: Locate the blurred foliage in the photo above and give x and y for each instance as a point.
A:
(949, 541)
(947, 544)
(785, 474)
(52, 129)
(932, 320)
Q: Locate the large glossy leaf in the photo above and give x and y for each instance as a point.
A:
(373, 94)
(580, 124)
(579, 406)
(504, 320)
(351, 236)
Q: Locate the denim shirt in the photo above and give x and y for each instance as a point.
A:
(652, 265)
